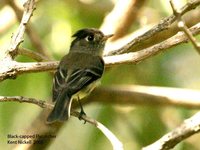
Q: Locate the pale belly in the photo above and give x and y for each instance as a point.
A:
(86, 91)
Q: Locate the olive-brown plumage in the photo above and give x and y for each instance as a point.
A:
(78, 71)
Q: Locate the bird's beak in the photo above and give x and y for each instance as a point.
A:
(106, 37)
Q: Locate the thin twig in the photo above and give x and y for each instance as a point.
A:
(117, 145)
(184, 28)
(163, 25)
(21, 99)
(32, 34)
(135, 57)
(186, 129)
(17, 37)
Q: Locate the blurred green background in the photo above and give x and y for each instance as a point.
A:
(136, 126)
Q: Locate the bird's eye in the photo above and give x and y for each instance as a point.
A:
(90, 38)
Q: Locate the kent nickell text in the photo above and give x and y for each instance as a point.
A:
(19, 142)
(28, 139)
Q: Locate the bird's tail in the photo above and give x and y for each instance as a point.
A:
(61, 110)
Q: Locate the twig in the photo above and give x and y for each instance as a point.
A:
(117, 145)
(134, 57)
(21, 99)
(184, 28)
(13, 69)
(17, 37)
(191, 18)
(31, 54)
(32, 34)
(185, 130)
(163, 25)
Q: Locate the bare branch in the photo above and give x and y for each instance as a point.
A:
(184, 28)
(185, 130)
(126, 94)
(21, 99)
(12, 69)
(17, 37)
(117, 145)
(134, 57)
(32, 34)
(163, 25)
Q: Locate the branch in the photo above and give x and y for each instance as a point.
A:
(138, 95)
(17, 37)
(13, 69)
(184, 28)
(185, 130)
(32, 34)
(21, 99)
(117, 145)
(163, 25)
(135, 57)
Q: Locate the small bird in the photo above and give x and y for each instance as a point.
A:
(78, 72)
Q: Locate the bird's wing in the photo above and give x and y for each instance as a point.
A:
(58, 82)
(72, 81)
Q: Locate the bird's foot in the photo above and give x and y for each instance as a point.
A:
(81, 115)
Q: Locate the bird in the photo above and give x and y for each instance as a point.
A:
(78, 72)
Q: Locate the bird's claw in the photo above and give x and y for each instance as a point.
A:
(81, 114)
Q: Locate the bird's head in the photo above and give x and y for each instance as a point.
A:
(89, 40)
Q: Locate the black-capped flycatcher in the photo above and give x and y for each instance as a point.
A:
(78, 71)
